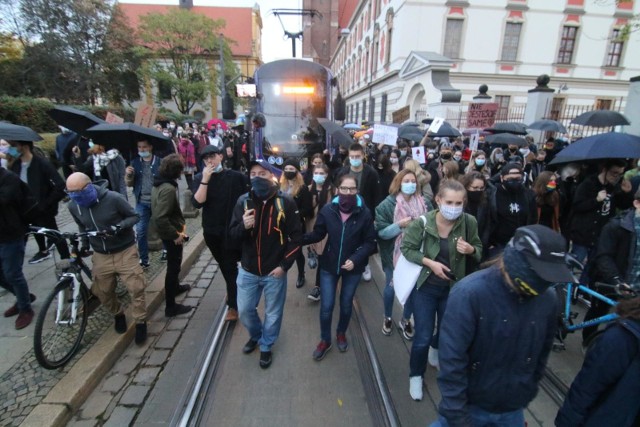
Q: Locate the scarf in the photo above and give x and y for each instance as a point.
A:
(412, 208)
(187, 152)
(101, 161)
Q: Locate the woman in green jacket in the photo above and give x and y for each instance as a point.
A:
(450, 236)
(168, 220)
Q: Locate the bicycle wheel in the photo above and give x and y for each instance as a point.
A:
(591, 342)
(55, 342)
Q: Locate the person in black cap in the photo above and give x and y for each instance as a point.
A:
(510, 206)
(216, 191)
(498, 330)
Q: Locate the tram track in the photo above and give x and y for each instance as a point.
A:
(554, 387)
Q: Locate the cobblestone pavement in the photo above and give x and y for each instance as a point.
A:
(119, 397)
(24, 384)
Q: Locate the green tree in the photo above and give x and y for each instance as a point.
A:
(182, 49)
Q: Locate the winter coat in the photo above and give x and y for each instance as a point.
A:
(465, 227)
(135, 180)
(111, 210)
(589, 215)
(354, 239)
(45, 183)
(12, 199)
(165, 209)
(494, 345)
(605, 391)
(616, 249)
(274, 240)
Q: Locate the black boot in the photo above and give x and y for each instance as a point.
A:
(120, 323)
(141, 333)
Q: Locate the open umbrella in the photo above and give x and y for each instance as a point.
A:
(214, 122)
(73, 118)
(446, 130)
(125, 136)
(506, 138)
(473, 131)
(405, 130)
(548, 126)
(352, 126)
(511, 127)
(12, 132)
(610, 145)
(600, 118)
(336, 132)
(361, 133)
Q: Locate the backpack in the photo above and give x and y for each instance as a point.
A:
(279, 202)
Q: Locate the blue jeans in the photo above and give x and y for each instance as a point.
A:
(482, 418)
(250, 289)
(328, 289)
(581, 253)
(11, 276)
(142, 227)
(389, 293)
(428, 301)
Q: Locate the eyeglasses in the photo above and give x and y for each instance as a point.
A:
(348, 190)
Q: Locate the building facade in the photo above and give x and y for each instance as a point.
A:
(428, 58)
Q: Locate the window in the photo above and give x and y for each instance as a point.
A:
(364, 110)
(567, 44)
(164, 90)
(357, 112)
(372, 108)
(603, 104)
(615, 49)
(511, 41)
(388, 53)
(453, 38)
(383, 108)
(557, 106)
(503, 107)
(378, 7)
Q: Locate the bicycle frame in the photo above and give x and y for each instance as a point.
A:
(566, 315)
(61, 305)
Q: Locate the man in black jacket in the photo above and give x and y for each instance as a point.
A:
(267, 224)
(13, 197)
(216, 191)
(47, 186)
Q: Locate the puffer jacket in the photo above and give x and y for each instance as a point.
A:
(494, 345)
(354, 239)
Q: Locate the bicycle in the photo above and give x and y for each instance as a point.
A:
(67, 306)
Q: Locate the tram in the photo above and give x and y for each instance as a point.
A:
(293, 95)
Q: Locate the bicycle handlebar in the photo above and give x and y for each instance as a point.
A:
(66, 235)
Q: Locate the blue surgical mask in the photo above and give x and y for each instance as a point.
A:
(91, 144)
(13, 152)
(480, 162)
(218, 168)
(144, 154)
(86, 197)
(356, 163)
(403, 153)
(319, 178)
(408, 188)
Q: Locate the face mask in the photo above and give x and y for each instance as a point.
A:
(450, 213)
(290, 175)
(218, 168)
(356, 163)
(262, 187)
(500, 157)
(385, 150)
(524, 151)
(551, 185)
(319, 179)
(4, 149)
(457, 158)
(172, 126)
(523, 277)
(513, 185)
(513, 150)
(474, 196)
(346, 202)
(431, 151)
(446, 156)
(85, 198)
(480, 162)
(144, 154)
(393, 160)
(408, 188)
(403, 153)
(91, 144)
(13, 152)
(166, 134)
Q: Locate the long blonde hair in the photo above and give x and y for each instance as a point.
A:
(296, 184)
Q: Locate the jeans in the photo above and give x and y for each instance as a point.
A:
(227, 258)
(11, 276)
(388, 295)
(328, 289)
(482, 418)
(581, 253)
(250, 289)
(171, 278)
(428, 301)
(142, 228)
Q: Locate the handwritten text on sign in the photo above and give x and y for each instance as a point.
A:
(385, 134)
(481, 115)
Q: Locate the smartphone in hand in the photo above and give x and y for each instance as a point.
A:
(450, 275)
(249, 205)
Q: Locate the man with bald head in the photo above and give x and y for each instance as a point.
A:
(95, 208)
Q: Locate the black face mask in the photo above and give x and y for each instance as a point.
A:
(474, 196)
(513, 185)
(290, 175)
(446, 156)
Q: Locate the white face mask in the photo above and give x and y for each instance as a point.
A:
(393, 160)
(451, 212)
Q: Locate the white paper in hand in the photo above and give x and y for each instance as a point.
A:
(435, 124)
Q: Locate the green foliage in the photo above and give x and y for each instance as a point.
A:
(180, 48)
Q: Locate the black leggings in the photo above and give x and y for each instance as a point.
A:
(171, 279)
(228, 262)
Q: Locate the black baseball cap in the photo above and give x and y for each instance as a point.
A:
(210, 149)
(506, 169)
(545, 251)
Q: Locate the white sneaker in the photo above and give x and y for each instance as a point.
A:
(433, 358)
(415, 388)
(367, 274)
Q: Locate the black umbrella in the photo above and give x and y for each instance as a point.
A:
(446, 131)
(548, 126)
(600, 118)
(406, 130)
(337, 133)
(610, 145)
(125, 136)
(510, 127)
(12, 132)
(73, 118)
(506, 139)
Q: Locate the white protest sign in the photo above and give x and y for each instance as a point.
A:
(435, 124)
(473, 143)
(387, 135)
(419, 155)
